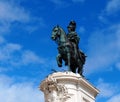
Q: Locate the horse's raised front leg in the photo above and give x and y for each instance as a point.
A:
(59, 60)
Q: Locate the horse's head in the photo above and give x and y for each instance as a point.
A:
(55, 32)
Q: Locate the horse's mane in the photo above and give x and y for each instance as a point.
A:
(60, 28)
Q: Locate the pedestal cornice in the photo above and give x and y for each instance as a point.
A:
(64, 86)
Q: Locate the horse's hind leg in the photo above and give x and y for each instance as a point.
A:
(80, 71)
(73, 68)
(69, 64)
(80, 67)
(59, 60)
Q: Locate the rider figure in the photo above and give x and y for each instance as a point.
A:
(78, 54)
(73, 36)
(74, 39)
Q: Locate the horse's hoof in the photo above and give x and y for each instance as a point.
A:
(82, 75)
(59, 65)
(66, 64)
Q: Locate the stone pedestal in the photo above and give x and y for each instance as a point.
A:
(68, 87)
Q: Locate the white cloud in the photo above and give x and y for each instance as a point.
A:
(18, 92)
(118, 65)
(102, 18)
(4, 27)
(30, 57)
(82, 30)
(12, 47)
(103, 49)
(2, 40)
(115, 98)
(5, 79)
(9, 12)
(113, 6)
(35, 24)
(106, 89)
(14, 56)
(7, 50)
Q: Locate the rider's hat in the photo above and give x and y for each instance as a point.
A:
(72, 24)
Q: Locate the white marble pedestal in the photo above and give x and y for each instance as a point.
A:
(68, 87)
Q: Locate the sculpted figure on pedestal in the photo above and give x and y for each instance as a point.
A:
(68, 49)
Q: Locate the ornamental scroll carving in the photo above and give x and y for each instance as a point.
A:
(55, 92)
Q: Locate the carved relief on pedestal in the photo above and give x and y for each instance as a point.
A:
(55, 92)
(68, 87)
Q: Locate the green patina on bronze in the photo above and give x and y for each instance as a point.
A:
(68, 49)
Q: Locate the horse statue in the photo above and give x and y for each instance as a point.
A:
(66, 51)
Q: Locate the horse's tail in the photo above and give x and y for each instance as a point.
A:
(82, 57)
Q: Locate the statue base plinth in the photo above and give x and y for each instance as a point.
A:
(68, 87)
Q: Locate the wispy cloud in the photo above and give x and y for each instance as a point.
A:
(118, 65)
(113, 6)
(103, 49)
(18, 92)
(115, 98)
(34, 24)
(107, 89)
(2, 40)
(9, 12)
(7, 50)
(30, 57)
(13, 56)
(82, 30)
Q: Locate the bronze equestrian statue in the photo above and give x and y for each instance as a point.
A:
(68, 49)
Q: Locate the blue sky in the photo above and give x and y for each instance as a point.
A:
(27, 54)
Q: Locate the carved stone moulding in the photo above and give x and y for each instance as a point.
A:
(67, 87)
